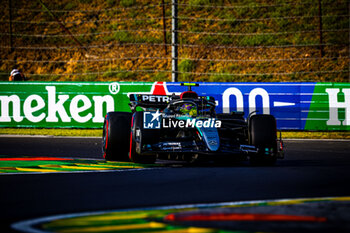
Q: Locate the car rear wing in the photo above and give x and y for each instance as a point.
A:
(150, 101)
(162, 101)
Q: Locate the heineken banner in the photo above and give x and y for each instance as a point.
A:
(296, 106)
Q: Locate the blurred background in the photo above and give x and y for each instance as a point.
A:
(218, 41)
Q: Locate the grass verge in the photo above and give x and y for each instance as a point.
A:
(98, 133)
(316, 135)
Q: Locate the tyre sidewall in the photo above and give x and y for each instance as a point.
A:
(263, 134)
(146, 136)
(115, 144)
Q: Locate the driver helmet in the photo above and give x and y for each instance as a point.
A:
(189, 109)
(14, 72)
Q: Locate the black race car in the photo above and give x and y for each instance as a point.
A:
(186, 127)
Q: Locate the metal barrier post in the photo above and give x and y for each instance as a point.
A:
(10, 16)
(174, 42)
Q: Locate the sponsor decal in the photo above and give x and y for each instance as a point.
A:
(114, 88)
(157, 120)
(64, 104)
(56, 105)
(156, 98)
(171, 146)
(296, 106)
(151, 120)
(213, 142)
(329, 108)
(335, 105)
(191, 123)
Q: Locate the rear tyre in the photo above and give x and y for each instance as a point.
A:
(115, 141)
(229, 133)
(263, 135)
(140, 136)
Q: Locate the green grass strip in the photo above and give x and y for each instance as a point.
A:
(98, 133)
(316, 135)
(28, 164)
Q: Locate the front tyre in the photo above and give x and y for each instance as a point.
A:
(263, 135)
(115, 141)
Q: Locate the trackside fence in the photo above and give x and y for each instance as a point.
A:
(216, 41)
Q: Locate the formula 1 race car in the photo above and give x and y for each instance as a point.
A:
(186, 127)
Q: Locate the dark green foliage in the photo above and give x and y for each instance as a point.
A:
(186, 66)
(161, 76)
(86, 1)
(111, 3)
(127, 3)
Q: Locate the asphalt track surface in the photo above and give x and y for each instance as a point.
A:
(310, 169)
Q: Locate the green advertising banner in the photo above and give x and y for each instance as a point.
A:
(329, 107)
(63, 104)
(296, 106)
